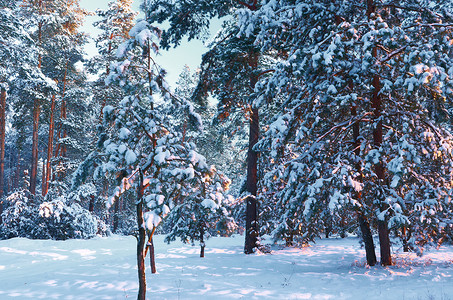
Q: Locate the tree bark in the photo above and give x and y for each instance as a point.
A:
(34, 150)
(49, 148)
(251, 214)
(150, 248)
(376, 104)
(43, 177)
(152, 255)
(36, 113)
(202, 244)
(141, 241)
(379, 169)
(2, 138)
(367, 237)
(64, 108)
(365, 229)
(2, 146)
(91, 205)
(115, 214)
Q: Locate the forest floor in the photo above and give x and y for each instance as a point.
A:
(105, 268)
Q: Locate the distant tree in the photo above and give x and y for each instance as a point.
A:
(115, 24)
(202, 212)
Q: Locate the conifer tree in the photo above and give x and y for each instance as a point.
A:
(192, 20)
(142, 149)
(361, 114)
(115, 24)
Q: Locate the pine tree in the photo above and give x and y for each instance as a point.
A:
(192, 20)
(360, 121)
(142, 149)
(115, 24)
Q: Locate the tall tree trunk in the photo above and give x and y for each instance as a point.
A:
(34, 150)
(2, 146)
(36, 113)
(141, 241)
(64, 107)
(251, 213)
(49, 148)
(107, 72)
(376, 104)
(365, 229)
(150, 248)
(379, 169)
(61, 147)
(43, 178)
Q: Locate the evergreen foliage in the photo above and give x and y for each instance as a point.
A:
(48, 218)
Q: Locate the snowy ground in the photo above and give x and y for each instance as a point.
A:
(105, 268)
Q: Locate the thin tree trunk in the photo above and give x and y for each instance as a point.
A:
(202, 244)
(61, 132)
(64, 108)
(91, 206)
(152, 255)
(376, 103)
(141, 241)
(365, 229)
(150, 248)
(379, 169)
(36, 113)
(251, 214)
(49, 148)
(115, 214)
(43, 178)
(406, 236)
(2, 138)
(34, 150)
(16, 184)
(107, 72)
(2, 146)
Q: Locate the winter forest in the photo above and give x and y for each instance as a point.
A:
(309, 128)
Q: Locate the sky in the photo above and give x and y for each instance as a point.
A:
(188, 53)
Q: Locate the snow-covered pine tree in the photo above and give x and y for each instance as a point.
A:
(69, 112)
(215, 141)
(192, 20)
(203, 210)
(362, 123)
(142, 149)
(11, 36)
(115, 24)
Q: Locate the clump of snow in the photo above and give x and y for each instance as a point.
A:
(124, 133)
(152, 219)
(130, 157)
(122, 48)
(210, 204)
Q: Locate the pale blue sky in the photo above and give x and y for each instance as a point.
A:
(173, 60)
